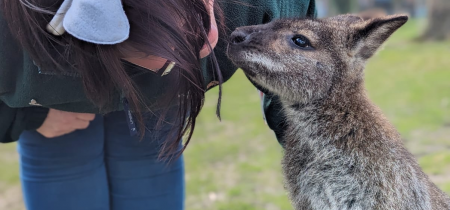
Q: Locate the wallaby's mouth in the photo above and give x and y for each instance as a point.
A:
(236, 46)
(238, 50)
(235, 54)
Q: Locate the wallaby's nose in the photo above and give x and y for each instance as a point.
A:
(238, 37)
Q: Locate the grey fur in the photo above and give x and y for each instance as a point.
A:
(341, 152)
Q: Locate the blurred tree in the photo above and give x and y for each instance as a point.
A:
(438, 20)
(345, 6)
(409, 6)
(364, 5)
(387, 5)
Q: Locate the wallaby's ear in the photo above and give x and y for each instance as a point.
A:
(371, 34)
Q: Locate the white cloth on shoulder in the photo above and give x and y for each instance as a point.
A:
(94, 21)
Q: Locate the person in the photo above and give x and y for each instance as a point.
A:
(99, 94)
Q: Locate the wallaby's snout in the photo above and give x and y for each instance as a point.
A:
(238, 37)
(242, 34)
(307, 59)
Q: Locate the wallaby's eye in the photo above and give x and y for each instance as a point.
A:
(301, 41)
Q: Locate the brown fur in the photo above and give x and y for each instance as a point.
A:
(341, 152)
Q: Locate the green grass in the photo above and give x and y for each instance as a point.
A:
(409, 81)
(236, 159)
(436, 163)
(235, 164)
(8, 165)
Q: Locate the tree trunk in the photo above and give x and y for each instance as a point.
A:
(438, 20)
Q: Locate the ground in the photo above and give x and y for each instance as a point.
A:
(235, 164)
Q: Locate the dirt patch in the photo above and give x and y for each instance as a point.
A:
(11, 199)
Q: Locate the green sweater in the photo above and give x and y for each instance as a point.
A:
(26, 93)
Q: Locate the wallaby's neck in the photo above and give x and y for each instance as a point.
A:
(349, 100)
(343, 113)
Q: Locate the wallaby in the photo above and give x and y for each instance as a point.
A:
(341, 153)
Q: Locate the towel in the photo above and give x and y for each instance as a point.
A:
(94, 21)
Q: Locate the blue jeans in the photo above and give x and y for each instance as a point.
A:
(100, 168)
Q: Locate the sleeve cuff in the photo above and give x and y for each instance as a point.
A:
(34, 117)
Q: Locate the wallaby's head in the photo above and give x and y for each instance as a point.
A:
(306, 59)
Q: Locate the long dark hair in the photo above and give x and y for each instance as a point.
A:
(155, 30)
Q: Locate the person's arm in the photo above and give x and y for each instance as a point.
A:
(14, 121)
(49, 123)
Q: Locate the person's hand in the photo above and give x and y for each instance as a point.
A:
(261, 97)
(59, 123)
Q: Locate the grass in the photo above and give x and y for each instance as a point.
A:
(8, 165)
(409, 81)
(235, 164)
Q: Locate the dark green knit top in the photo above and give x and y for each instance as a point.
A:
(26, 93)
